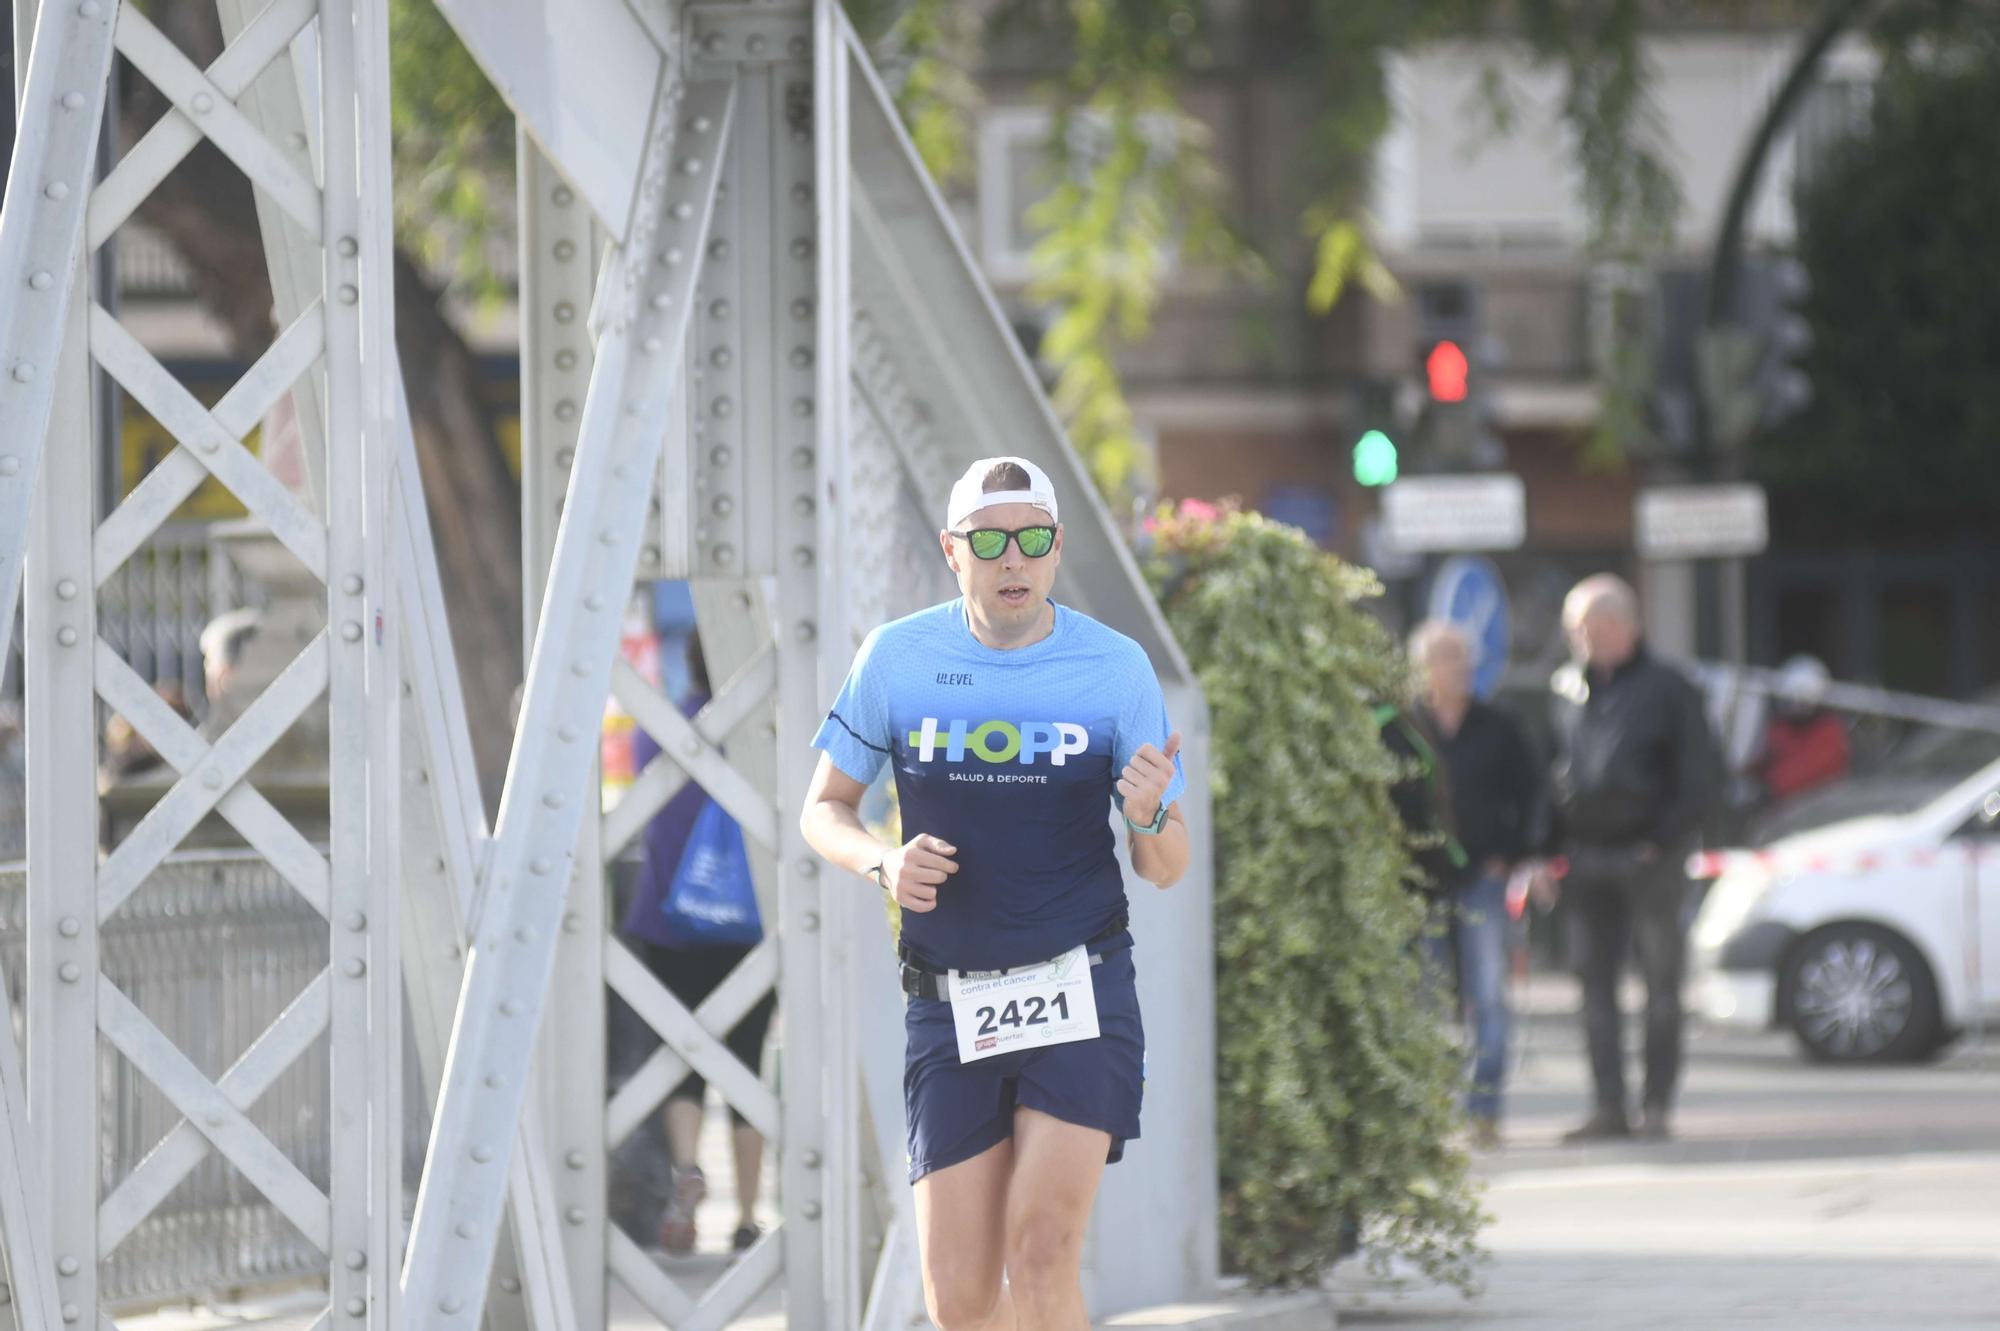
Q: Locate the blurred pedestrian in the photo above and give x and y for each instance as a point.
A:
(1805, 745)
(1423, 801)
(691, 956)
(1496, 798)
(1636, 772)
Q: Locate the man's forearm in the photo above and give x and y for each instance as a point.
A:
(1163, 858)
(835, 831)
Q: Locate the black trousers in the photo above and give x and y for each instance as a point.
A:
(1624, 907)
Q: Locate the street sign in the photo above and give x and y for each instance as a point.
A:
(1700, 521)
(1455, 514)
(1469, 592)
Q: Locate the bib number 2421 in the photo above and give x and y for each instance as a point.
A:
(1028, 1008)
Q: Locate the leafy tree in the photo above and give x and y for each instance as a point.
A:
(1142, 181)
(1897, 236)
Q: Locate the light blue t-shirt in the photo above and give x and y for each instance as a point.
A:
(1013, 757)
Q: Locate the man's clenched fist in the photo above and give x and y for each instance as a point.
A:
(912, 872)
(1146, 778)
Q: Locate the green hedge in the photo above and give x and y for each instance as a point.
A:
(1337, 1086)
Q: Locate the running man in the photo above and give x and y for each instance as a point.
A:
(1013, 724)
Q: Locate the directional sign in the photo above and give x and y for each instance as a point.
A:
(1701, 521)
(1453, 514)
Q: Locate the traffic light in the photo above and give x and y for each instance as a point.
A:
(1784, 388)
(1747, 365)
(1447, 371)
(1453, 433)
(1375, 459)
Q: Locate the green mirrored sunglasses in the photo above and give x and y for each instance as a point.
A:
(991, 542)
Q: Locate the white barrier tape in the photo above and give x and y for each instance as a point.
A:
(1714, 863)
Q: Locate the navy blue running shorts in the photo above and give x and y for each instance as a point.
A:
(959, 1110)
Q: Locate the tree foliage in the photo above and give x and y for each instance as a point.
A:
(453, 141)
(1136, 183)
(1336, 1082)
(1897, 236)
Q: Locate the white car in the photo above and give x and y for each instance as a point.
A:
(1876, 939)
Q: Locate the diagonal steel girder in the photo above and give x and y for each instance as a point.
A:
(445, 838)
(646, 297)
(41, 237)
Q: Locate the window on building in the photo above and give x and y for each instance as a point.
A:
(1015, 173)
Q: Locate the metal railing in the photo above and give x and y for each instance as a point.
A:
(211, 948)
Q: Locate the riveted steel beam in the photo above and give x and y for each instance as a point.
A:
(507, 972)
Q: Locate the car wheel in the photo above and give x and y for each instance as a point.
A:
(1855, 993)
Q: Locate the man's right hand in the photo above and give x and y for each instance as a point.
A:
(915, 870)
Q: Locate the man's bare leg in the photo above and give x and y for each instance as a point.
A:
(1057, 1167)
(961, 1227)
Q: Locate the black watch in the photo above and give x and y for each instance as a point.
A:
(880, 878)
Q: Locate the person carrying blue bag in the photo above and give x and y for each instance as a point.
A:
(693, 917)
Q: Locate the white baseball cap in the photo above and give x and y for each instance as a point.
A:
(969, 495)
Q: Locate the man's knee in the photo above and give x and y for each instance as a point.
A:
(1044, 1249)
(960, 1300)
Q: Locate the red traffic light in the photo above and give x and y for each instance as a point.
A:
(1446, 368)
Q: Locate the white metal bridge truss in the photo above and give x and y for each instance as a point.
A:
(754, 351)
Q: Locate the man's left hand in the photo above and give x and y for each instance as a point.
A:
(1146, 778)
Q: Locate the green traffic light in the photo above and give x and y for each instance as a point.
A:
(1374, 459)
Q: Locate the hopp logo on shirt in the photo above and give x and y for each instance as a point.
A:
(999, 741)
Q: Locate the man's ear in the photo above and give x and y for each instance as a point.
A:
(944, 540)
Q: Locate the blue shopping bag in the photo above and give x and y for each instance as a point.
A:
(711, 900)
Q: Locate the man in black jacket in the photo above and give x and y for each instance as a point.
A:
(1636, 771)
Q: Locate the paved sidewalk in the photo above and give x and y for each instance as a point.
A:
(1795, 1196)
(1820, 1246)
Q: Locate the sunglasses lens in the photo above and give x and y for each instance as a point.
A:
(1036, 541)
(989, 544)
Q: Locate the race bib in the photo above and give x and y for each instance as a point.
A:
(1026, 1008)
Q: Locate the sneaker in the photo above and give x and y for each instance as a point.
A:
(677, 1225)
(745, 1236)
(1485, 1135)
(1654, 1125)
(1603, 1126)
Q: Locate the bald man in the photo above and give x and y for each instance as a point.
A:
(1636, 771)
